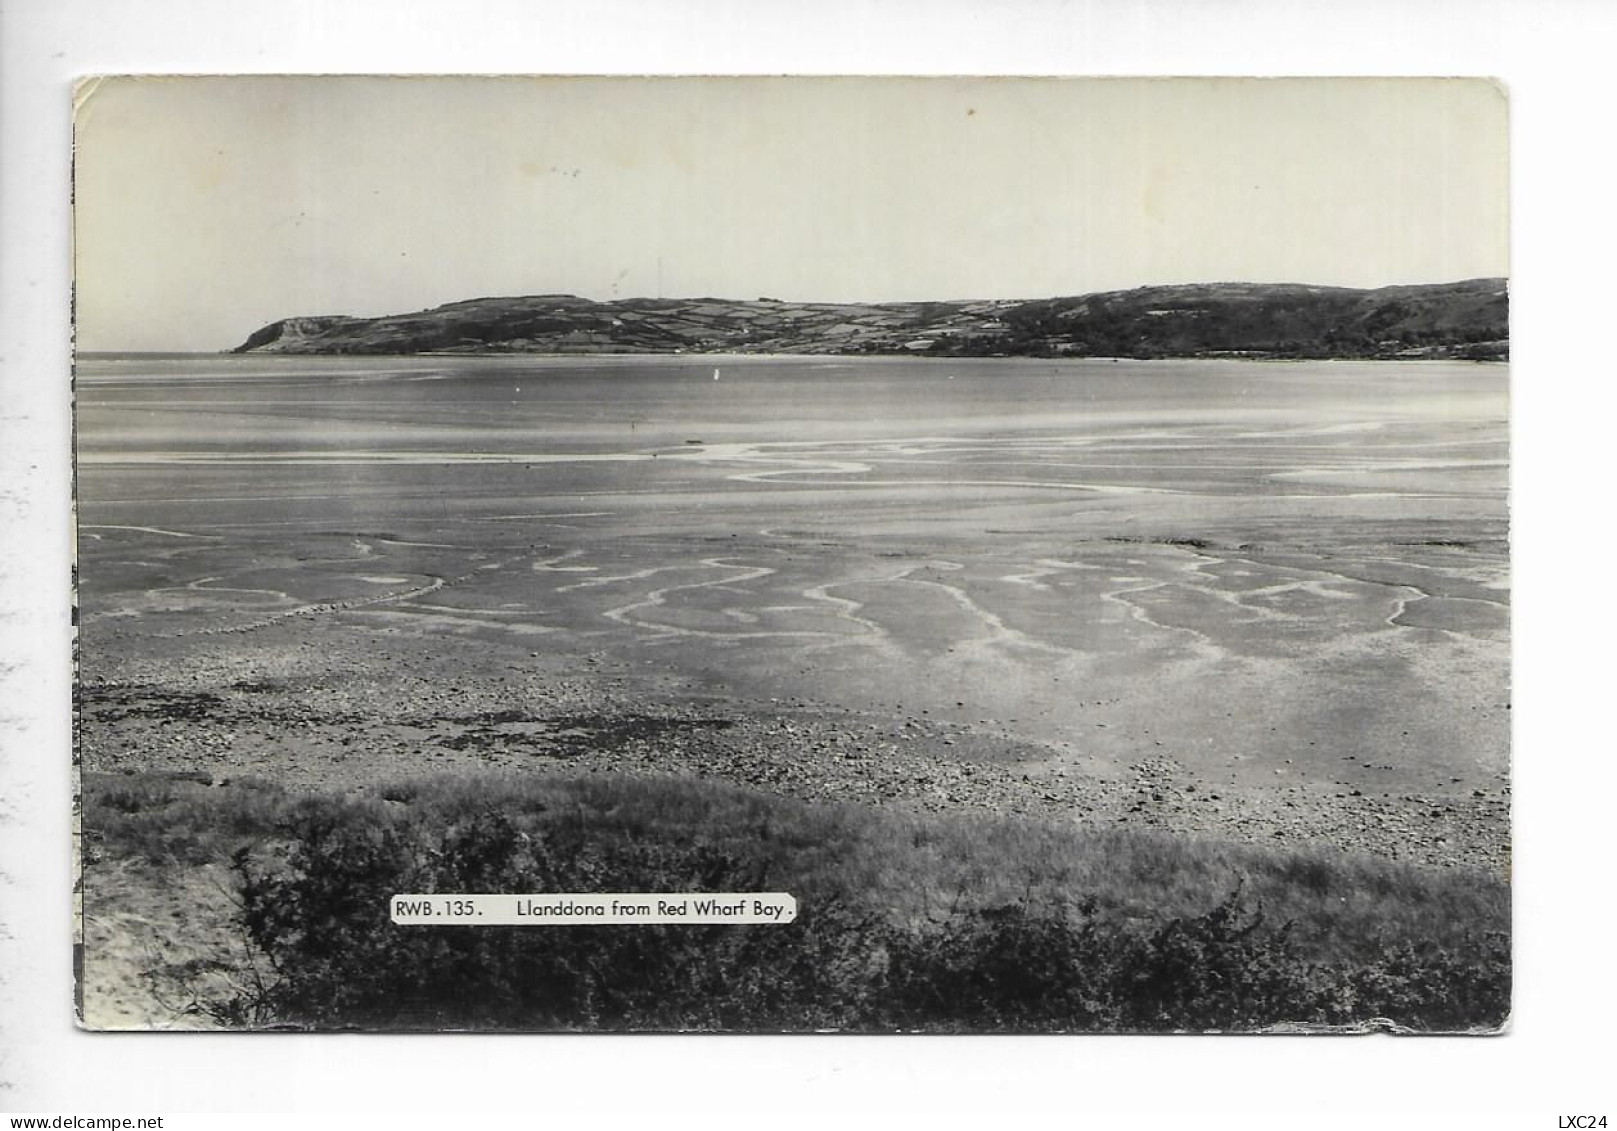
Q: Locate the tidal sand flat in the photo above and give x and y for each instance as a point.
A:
(1256, 609)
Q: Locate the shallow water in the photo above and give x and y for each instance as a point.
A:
(793, 434)
(1233, 563)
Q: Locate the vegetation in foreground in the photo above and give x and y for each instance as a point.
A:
(905, 923)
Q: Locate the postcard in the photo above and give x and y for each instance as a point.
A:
(860, 555)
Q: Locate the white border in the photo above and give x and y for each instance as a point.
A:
(1554, 59)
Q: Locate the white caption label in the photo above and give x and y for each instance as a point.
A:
(591, 909)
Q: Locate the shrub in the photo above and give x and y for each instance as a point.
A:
(1427, 986)
(321, 919)
(318, 914)
(1005, 968)
(1046, 928)
(1221, 970)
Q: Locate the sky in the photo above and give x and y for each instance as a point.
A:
(206, 207)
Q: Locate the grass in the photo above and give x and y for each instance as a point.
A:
(907, 922)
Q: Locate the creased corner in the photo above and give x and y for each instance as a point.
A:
(83, 91)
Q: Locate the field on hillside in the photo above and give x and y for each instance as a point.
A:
(1241, 625)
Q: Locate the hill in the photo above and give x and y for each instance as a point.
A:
(1466, 319)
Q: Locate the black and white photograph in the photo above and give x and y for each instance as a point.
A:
(863, 555)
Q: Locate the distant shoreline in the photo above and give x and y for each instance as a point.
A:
(746, 358)
(1244, 321)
